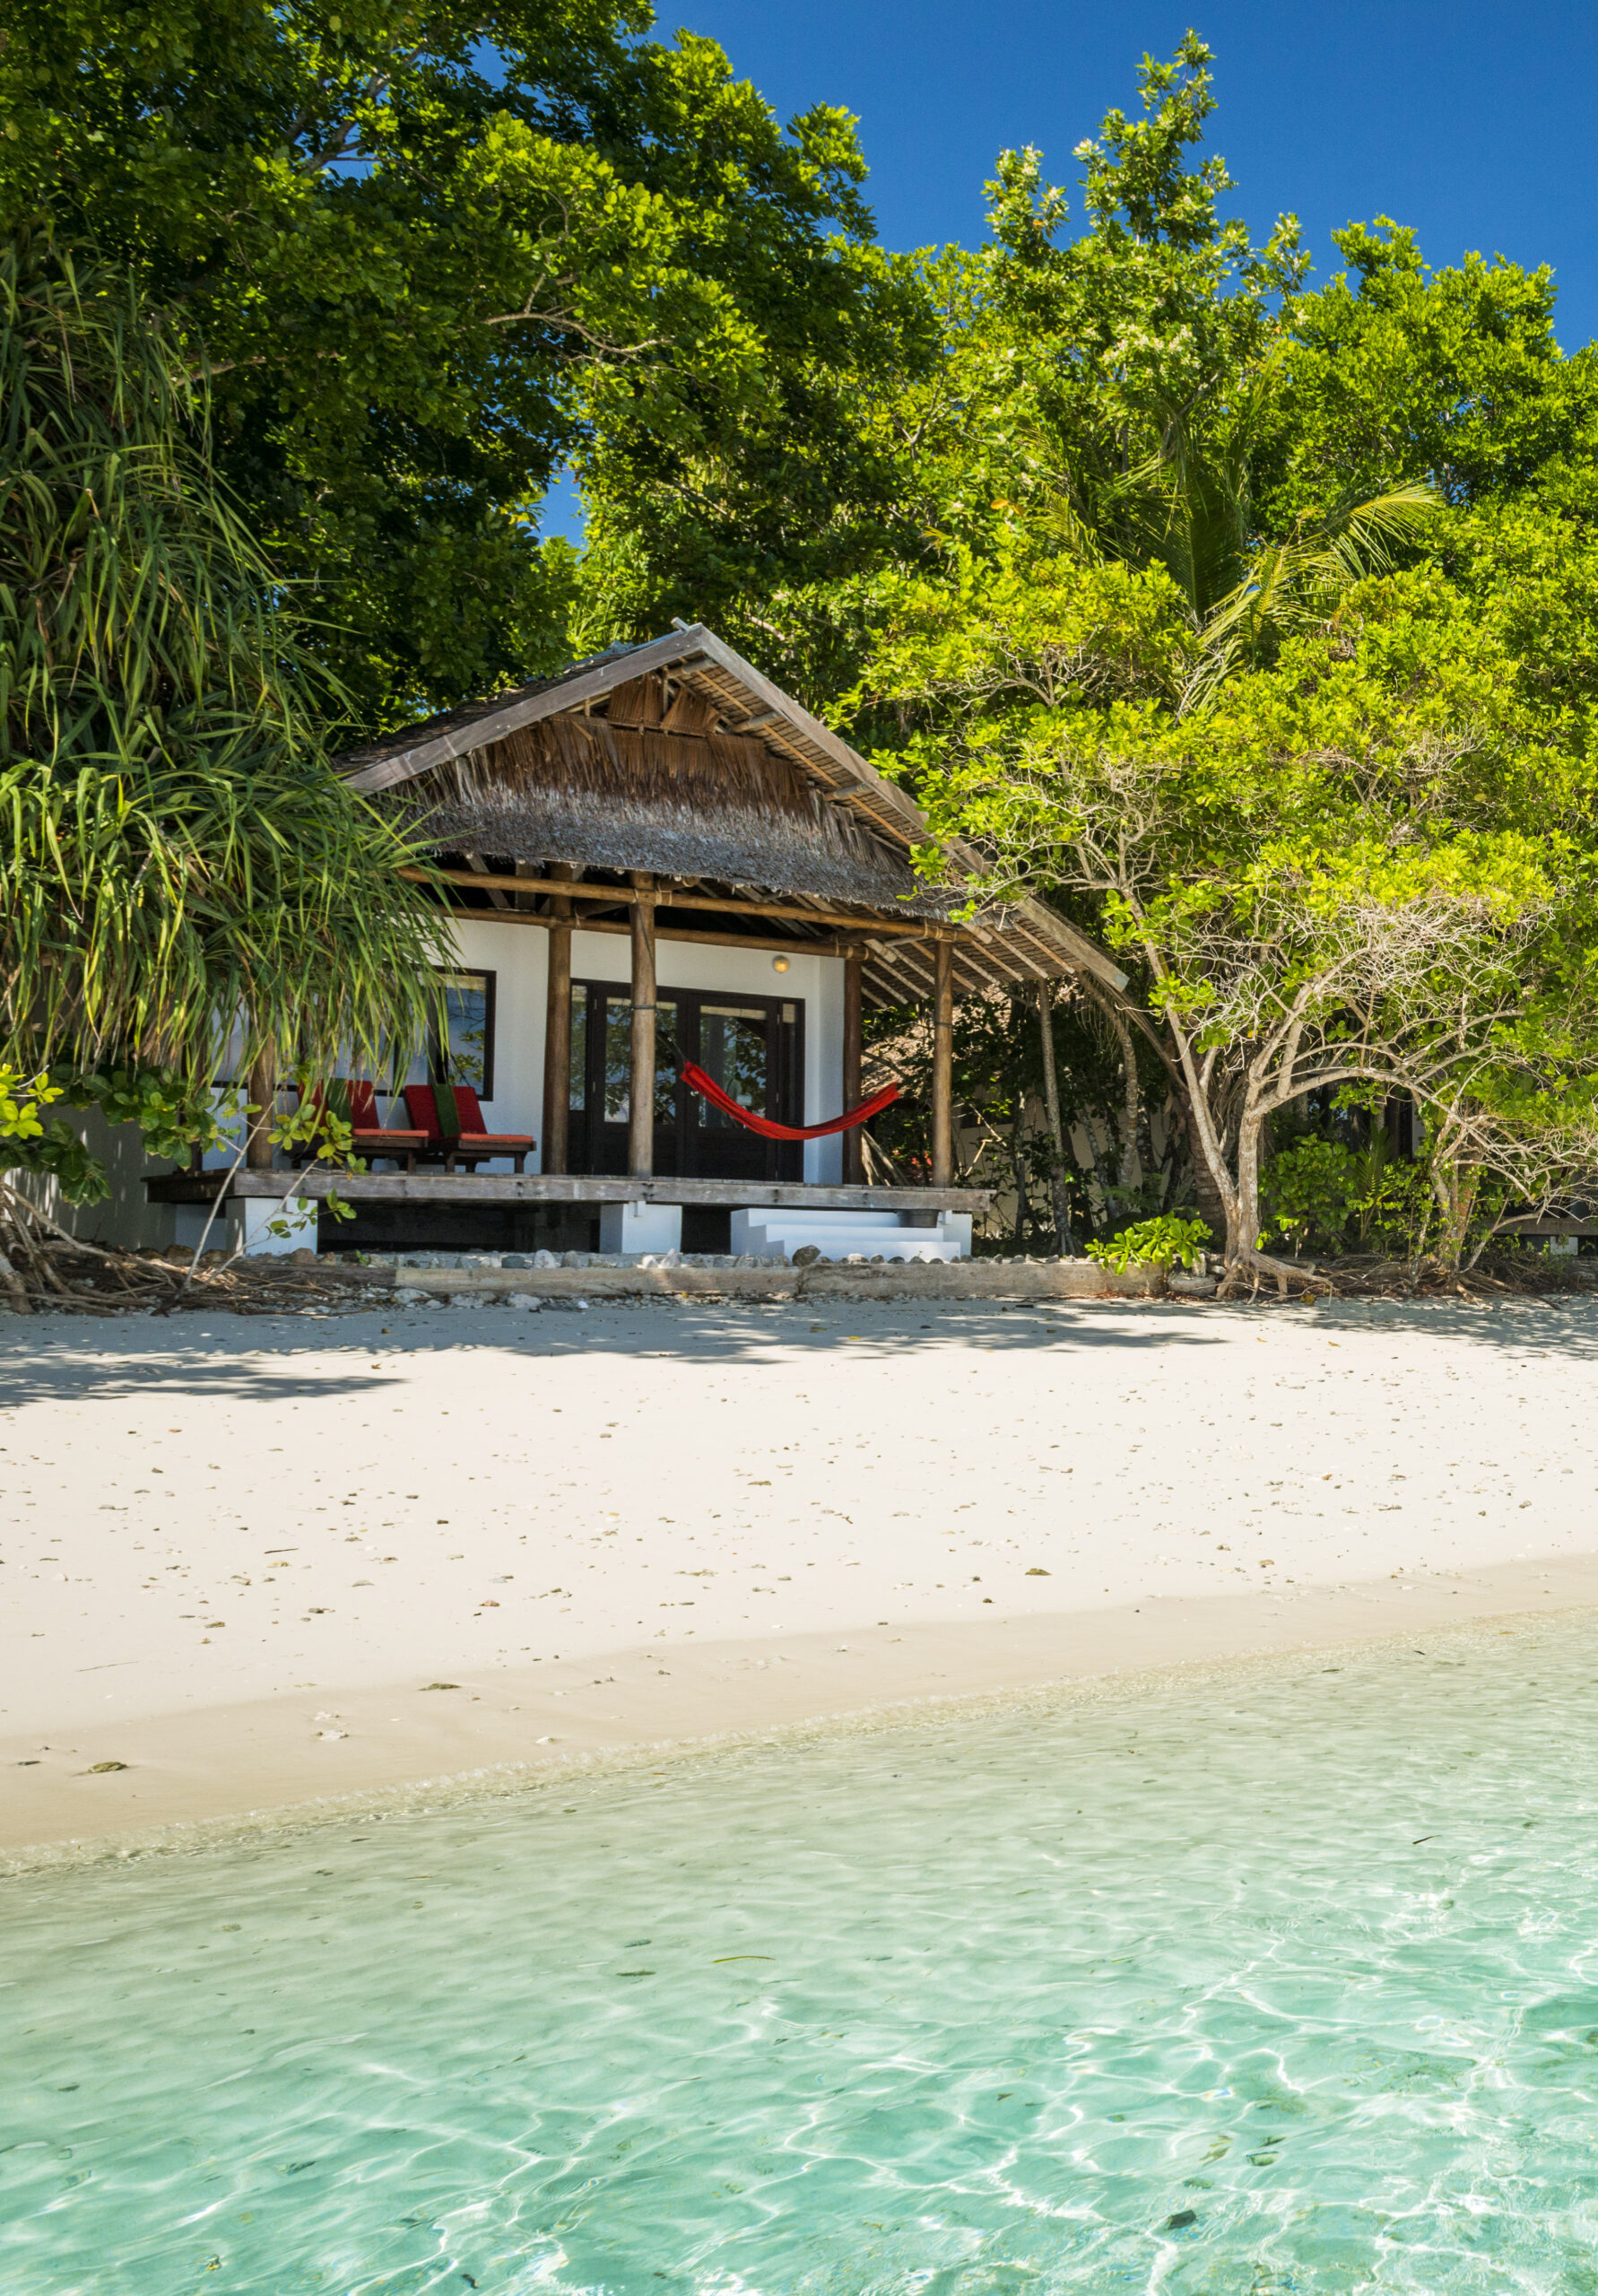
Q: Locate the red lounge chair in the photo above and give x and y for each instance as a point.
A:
(474, 1143)
(372, 1138)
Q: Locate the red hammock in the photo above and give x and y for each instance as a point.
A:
(696, 1079)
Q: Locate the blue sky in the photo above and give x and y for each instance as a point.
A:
(1470, 121)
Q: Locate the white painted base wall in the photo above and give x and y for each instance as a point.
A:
(640, 1227)
(836, 1234)
(249, 1225)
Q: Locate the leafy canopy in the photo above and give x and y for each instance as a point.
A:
(1263, 643)
(428, 257)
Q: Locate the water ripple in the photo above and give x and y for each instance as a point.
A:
(1284, 1985)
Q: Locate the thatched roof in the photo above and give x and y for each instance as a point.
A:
(677, 757)
(610, 794)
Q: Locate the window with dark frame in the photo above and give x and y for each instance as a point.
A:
(464, 1055)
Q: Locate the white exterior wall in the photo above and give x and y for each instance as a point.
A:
(127, 1219)
(517, 955)
(123, 1218)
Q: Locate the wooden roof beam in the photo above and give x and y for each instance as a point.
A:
(481, 882)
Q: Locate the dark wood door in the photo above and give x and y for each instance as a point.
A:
(752, 1045)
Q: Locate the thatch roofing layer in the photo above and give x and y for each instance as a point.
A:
(721, 806)
(677, 757)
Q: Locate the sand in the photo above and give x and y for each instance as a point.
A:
(238, 1553)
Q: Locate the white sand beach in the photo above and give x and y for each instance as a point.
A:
(239, 1554)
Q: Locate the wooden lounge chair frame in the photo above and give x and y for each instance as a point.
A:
(474, 1144)
(371, 1139)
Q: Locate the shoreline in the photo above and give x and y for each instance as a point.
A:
(193, 1779)
(236, 1551)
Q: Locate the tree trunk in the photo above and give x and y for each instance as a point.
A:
(1131, 1166)
(942, 1070)
(557, 1032)
(1456, 1200)
(1207, 1199)
(1243, 1251)
(1018, 1168)
(1243, 1243)
(1064, 1244)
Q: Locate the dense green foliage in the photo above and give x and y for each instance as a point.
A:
(181, 876)
(1269, 648)
(1167, 1240)
(428, 258)
(1255, 625)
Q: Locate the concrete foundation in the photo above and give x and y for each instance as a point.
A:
(639, 1227)
(250, 1224)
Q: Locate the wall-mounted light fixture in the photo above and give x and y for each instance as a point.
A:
(779, 964)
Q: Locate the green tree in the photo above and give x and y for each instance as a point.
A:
(1397, 372)
(182, 880)
(1363, 867)
(1092, 393)
(1275, 673)
(427, 259)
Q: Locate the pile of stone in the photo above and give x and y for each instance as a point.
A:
(512, 1262)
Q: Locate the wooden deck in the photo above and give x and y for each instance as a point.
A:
(437, 1189)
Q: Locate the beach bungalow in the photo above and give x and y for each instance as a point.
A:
(673, 894)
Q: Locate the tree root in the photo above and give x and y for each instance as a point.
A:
(1255, 1264)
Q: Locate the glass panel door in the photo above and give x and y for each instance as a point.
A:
(668, 1060)
(752, 1045)
(733, 1050)
(608, 1055)
(616, 1061)
(616, 1078)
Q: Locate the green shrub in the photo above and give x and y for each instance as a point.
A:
(1313, 1190)
(1153, 1243)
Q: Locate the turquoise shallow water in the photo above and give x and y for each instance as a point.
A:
(1288, 1982)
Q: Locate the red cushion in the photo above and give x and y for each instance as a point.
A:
(422, 1110)
(363, 1102)
(473, 1127)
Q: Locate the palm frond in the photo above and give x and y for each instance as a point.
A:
(1294, 586)
(179, 862)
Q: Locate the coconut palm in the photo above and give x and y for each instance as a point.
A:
(1188, 507)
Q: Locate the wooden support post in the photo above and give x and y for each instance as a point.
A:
(854, 1153)
(641, 1127)
(557, 1035)
(261, 1092)
(943, 1075)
